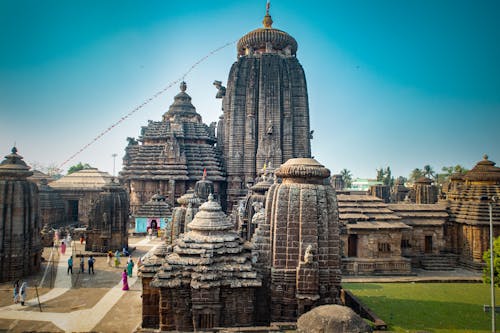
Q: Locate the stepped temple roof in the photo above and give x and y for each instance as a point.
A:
(210, 255)
(367, 212)
(14, 166)
(421, 214)
(90, 178)
(155, 207)
(179, 147)
(260, 38)
(484, 170)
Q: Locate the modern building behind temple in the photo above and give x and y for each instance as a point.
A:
(20, 245)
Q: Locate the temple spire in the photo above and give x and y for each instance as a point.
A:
(268, 21)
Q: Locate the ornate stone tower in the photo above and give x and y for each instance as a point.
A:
(425, 191)
(108, 220)
(20, 246)
(171, 155)
(266, 110)
(303, 263)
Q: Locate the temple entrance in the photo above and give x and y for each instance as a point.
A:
(352, 246)
(73, 210)
(206, 320)
(428, 244)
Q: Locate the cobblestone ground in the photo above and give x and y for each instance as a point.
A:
(77, 302)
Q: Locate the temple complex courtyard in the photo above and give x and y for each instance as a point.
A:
(96, 303)
(80, 302)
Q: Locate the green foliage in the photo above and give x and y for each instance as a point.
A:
(385, 176)
(415, 174)
(78, 167)
(496, 263)
(428, 171)
(429, 307)
(346, 177)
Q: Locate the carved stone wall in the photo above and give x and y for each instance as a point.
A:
(20, 246)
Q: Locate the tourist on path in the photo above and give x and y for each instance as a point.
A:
(22, 291)
(117, 258)
(91, 264)
(130, 266)
(82, 264)
(110, 255)
(70, 265)
(124, 280)
(16, 291)
(81, 239)
(63, 248)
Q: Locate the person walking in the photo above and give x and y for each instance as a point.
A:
(130, 266)
(117, 258)
(70, 264)
(63, 248)
(125, 280)
(91, 264)
(16, 292)
(110, 255)
(82, 264)
(22, 292)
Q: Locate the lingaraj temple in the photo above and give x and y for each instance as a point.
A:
(257, 230)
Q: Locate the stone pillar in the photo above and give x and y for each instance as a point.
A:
(20, 227)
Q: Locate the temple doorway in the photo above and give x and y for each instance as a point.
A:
(428, 244)
(352, 246)
(73, 210)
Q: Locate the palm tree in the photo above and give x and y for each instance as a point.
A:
(428, 171)
(415, 174)
(346, 177)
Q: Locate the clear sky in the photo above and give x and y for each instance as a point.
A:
(391, 83)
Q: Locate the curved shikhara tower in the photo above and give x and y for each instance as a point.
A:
(266, 110)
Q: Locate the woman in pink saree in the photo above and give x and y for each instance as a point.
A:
(63, 248)
(124, 280)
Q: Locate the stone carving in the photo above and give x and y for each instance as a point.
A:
(221, 90)
(132, 141)
(308, 255)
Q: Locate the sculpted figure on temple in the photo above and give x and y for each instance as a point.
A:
(308, 255)
(132, 141)
(221, 90)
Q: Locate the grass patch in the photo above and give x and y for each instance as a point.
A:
(430, 307)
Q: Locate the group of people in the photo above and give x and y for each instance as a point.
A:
(20, 290)
(90, 262)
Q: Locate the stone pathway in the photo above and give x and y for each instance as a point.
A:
(72, 321)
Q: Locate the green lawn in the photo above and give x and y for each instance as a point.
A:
(430, 307)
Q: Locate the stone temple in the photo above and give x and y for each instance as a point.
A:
(266, 110)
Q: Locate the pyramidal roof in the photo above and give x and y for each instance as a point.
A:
(90, 178)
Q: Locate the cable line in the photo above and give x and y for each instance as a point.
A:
(149, 100)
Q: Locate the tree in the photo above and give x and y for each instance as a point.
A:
(385, 176)
(78, 167)
(51, 170)
(415, 174)
(496, 263)
(346, 177)
(428, 171)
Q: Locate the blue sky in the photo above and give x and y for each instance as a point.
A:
(391, 83)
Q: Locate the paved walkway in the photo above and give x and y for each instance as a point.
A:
(72, 321)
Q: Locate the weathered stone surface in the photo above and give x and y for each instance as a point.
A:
(171, 155)
(332, 319)
(78, 190)
(20, 246)
(108, 220)
(302, 214)
(266, 110)
(208, 278)
(468, 230)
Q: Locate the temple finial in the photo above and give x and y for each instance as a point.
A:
(485, 157)
(268, 21)
(183, 86)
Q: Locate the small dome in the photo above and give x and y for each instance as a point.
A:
(13, 165)
(484, 170)
(258, 38)
(424, 180)
(210, 217)
(182, 105)
(307, 168)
